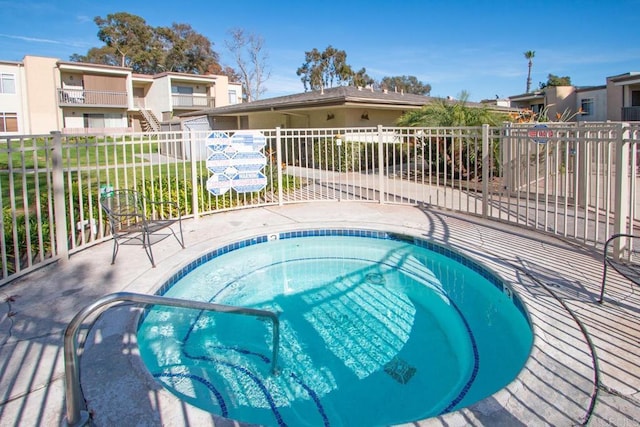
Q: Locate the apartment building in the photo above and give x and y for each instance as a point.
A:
(617, 100)
(40, 95)
(13, 110)
(623, 97)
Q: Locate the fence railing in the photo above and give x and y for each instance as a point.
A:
(579, 182)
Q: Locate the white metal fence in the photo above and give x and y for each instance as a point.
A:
(576, 181)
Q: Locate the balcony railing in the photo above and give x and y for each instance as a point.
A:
(139, 101)
(97, 98)
(193, 101)
(630, 114)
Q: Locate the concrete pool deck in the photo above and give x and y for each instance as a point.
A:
(584, 367)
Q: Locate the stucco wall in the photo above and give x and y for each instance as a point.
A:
(42, 76)
(560, 99)
(335, 117)
(158, 98)
(599, 105)
(614, 101)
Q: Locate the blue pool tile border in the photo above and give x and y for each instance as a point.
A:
(466, 261)
(485, 272)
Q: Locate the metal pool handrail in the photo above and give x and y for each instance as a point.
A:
(73, 395)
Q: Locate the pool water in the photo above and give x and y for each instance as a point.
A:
(372, 332)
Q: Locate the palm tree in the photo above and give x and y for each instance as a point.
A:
(451, 146)
(529, 55)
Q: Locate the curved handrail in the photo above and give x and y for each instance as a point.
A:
(73, 395)
(611, 260)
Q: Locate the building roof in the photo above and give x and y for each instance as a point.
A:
(342, 95)
(632, 77)
(527, 96)
(590, 88)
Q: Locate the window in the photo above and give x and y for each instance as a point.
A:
(103, 121)
(8, 122)
(586, 105)
(182, 90)
(7, 83)
(635, 98)
(93, 121)
(537, 108)
(182, 96)
(233, 97)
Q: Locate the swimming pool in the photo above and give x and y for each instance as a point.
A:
(376, 329)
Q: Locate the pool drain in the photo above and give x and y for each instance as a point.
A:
(399, 370)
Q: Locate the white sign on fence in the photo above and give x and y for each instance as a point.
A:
(236, 162)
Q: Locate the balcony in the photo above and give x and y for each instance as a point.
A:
(91, 98)
(630, 114)
(139, 101)
(192, 101)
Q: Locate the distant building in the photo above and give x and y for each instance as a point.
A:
(623, 97)
(40, 94)
(618, 100)
(499, 102)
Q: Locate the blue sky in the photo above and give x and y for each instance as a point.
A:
(477, 46)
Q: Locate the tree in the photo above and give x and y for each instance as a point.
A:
(130, 38)
(251, 60)
(553, 80)
(99, 55)
(130, 42)
(228, 71)
(529, 56)
(186, 51)
(445, 113)
(323, 69)
(406, 84)
(449, 149)
(361, 79)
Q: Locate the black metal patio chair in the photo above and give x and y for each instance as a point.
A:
(133, 217)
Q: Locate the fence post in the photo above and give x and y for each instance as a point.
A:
(509, 161)
(279, 165)
(621, 190)
(380, 166)
(486, 164)
(583, 170)
(59, 207)
(194, 174)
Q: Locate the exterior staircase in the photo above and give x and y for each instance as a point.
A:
(150, 122)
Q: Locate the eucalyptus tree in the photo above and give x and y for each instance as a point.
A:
(360, 78)
(105, 55)
(185, 50)
(131, 38)
(130, 42)
(406, 84)
(529, 56)
(326, 68)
